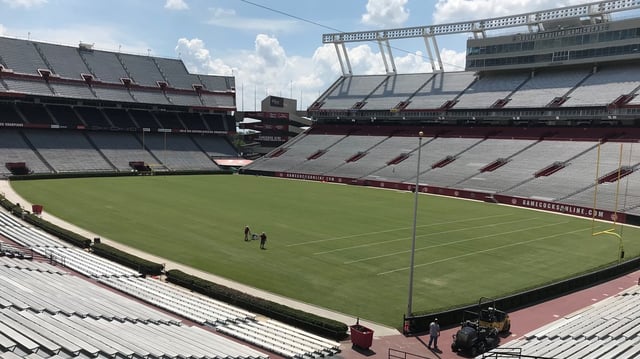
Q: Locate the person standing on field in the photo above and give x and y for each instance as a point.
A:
(247, 233)
(434, 333)
(263, 240)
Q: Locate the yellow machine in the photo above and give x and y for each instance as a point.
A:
(490, 316)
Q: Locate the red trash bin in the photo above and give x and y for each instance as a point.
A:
(36, 208)
(361, 336)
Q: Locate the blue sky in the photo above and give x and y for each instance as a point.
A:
(272, 47)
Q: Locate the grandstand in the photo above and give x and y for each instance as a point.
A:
(76, 109)
(530, 122)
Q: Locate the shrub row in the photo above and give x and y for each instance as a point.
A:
(64, 234)
(15, 209)
(310, 322)
(141, 265)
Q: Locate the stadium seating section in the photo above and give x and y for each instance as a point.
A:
(75, 109)
(585, 86)
(552, 165)
(608, 330)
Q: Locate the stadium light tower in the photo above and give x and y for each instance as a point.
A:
(415, 221)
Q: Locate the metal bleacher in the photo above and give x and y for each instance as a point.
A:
(433, 151)
(72, 90)
(579, 173)
(68, 151)
(608, 329)
(218, 100)
(183, 99)
(68, 336)
(28, 86)
(21, 56)
(193, 306)
(149, 96)
(514, 170)
(628, 189)
(337, 154)
(176, 73)
(65, 61)
(490, 89)
(31, 265)
(113, 94)
(605, 86)
(215, 146)
(281, 339)
(105, 66)
(376, 157)
(217, 83)
(395, 89)
(472, 160)
(443, 87)
(178, 152)
(65, 116)
(304, 147)
(13, 148)
(121, 148)
(141, 69)
(546, 85)
(269, 334)
(351, 90)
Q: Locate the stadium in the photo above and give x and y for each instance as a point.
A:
(515, 179)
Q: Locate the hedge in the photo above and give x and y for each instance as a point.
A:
(310, 322)
(141, 265)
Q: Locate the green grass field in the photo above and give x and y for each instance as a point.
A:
(342, 247)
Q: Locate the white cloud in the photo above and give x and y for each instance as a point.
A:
(24, 3)
(198, 59)
(453, 60)
(385, 13)
(265, 70)
(227, 18)
(3, 30)
(413, 63)
(176, 5)
(447, 11)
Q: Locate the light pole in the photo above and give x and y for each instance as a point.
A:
(415, 219)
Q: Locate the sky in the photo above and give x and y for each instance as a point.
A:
(271, 47)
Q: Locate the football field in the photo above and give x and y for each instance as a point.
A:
(346, 248)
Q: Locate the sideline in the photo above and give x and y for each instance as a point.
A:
(379, 329)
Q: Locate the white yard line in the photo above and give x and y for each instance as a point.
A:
(485, 250)
(431, 234)
(396, 229)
